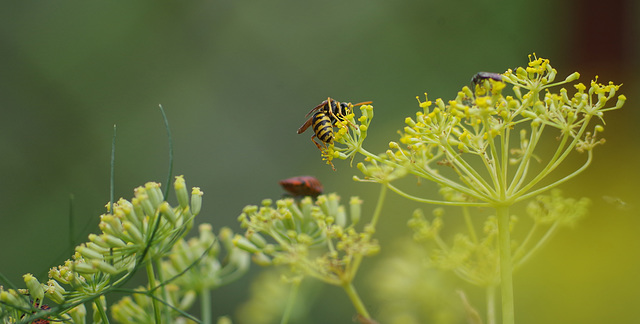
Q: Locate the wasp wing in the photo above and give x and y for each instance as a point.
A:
(318, 107)
(305, 125)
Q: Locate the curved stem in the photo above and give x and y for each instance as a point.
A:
(378, 210)
(436, 202)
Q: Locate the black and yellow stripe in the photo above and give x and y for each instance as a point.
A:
(323, 127)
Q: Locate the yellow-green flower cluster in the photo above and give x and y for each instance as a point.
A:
(349, 133)
(134, 232)
(195, 264)
(192, 268)
(475, 258)
(554, 208)
(316, 239)
(467, 143)
(147, 225)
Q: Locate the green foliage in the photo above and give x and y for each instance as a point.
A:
(145, 232)
(484, 148)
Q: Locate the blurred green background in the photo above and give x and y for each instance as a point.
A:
(236, 79)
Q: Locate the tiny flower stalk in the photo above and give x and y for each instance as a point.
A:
(315, 239)
(486, 145)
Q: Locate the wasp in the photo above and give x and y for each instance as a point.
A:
(302, 186)
(324, 117)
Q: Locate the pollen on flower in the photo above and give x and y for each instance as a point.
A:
(424, 104)
(483, 102)
(497, 86)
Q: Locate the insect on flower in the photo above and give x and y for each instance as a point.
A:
(324, 117)
(480, 76)
(302, 186)
(40, 320)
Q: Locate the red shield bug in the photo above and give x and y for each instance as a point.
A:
(302, 186)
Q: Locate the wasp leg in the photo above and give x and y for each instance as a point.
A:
(321, 150)
(316, 143)
(335, 118)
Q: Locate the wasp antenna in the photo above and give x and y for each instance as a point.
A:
(363, 103)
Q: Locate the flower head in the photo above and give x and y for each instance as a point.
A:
(316, 239)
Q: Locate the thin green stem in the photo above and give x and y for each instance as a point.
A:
(504, 158)
(493, 163)
(357, 260)
(101, 310)
(381, 197)
(469, 222)
(478, 184)
(506, 267)
(491, 304)
(71, 224)
(538, 246)
(558, 182)
(558, 158)
(523, 167)
(152, 285)
(295, 287)
(436, 202)
(561, 153)
(356, 301)
(164, 293)
(520, 251)
(429, 175)
(170, 141)
(205, 306)
(112, 175)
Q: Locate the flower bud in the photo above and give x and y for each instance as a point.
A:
(355, 209)
(262, 259)
(36, 289)
(196, 200)
(572, 77)
(621, 100)
(88, 253)
(84, 268)
(133, 232)
(55, 292)
(181, 191)
(243, 243)
(258, 240)
(168, 212)
(104, 267)
(155, 194)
